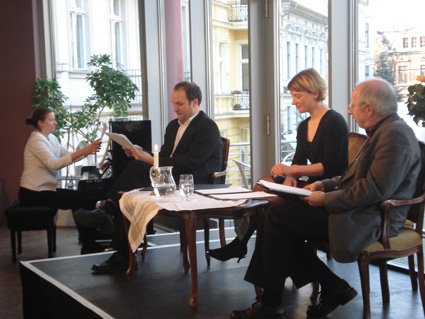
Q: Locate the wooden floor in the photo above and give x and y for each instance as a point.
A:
(221, 287)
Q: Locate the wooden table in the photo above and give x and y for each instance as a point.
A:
(188, 238)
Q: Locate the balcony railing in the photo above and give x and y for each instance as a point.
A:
(240, 100)
(135, 76)
(238, 12)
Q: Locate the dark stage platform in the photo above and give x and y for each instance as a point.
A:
(66, 288)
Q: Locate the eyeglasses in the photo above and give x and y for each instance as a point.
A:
(351, 106)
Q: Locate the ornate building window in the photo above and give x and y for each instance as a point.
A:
(403, 74)
(116, 32)
(405, 43)
(414, 42)
(245, 67)
(77, 27)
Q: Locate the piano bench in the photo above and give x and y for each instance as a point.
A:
(21, 218)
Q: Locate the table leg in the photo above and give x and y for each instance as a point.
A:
(222, 232)
(207, 239)
(183, 246)
(190, 223)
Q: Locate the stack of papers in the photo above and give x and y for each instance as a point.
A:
(279, 188)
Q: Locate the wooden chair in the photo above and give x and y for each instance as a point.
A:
(355, 143)
(406, 244)
(22, 218)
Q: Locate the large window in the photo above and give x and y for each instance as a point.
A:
(395, 52)
(303, 24)
(83, 28)
(231, 80)
(302, 42)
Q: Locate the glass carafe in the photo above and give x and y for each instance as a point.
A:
(162, 181)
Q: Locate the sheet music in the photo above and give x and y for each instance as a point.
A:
(284, 188)
(120, 139)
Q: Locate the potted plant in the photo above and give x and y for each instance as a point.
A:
(113, 89)
(47, 93)
(416, 101)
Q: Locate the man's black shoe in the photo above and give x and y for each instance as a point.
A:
(329, 300)
(116, 262)
(259, 311)
(98, 218)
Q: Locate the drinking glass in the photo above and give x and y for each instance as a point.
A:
(186, 185)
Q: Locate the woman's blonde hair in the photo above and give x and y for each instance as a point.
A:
(309, 81)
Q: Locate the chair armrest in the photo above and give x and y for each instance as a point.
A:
(385, 207)
(389, 203)
(218, 176)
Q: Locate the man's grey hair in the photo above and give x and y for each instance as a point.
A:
(379, 94)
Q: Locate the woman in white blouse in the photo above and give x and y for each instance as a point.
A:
(43, 157)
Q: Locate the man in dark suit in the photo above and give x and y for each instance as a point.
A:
(192, 145)
(342, 211)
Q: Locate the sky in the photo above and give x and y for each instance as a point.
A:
(320, 6)
(399, 14)
(387, 13)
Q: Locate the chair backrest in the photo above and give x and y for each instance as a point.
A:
(355, 142)
(241, 166)
(220, 177)
(225, 144)
(416, 212)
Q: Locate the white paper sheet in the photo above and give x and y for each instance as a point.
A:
(121, 139)
(284, 188)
